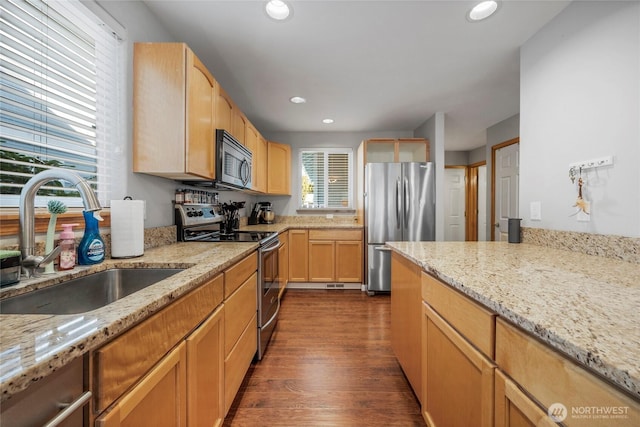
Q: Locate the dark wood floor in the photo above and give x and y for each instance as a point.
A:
(329, 363)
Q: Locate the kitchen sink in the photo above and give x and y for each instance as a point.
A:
(85, 293)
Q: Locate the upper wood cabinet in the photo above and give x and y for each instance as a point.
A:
(239, 125)
(279, 168)
(224, 110)
(252, 141)
(396, 150)
(173, 116)
(261, 160)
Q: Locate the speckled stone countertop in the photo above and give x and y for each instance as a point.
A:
(33, 346)
(587, 307)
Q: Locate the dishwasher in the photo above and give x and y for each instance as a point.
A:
(60, 399)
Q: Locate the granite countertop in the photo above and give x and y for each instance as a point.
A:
(33, 346)
(586, 307)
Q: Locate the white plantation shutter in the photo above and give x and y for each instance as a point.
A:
(61, 74)
(326, 179)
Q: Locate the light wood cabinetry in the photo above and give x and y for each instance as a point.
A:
(239, 125)
(173, 113)
(158, 400)
(224, 110)
(298, 255)
(396, 150)
(283, 260)
(261, 165)
(550, 378)
(279, 168)
(406, 319)
(457, 379)
(513, 408)
(335, 255)
(205, 372)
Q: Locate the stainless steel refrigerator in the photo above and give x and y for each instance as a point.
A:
(399, 205)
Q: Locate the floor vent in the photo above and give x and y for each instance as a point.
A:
(335, 285)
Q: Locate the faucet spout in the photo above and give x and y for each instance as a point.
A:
(27, 198)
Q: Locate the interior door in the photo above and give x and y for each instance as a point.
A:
(454, 202)
(482, 203)
(507, 175)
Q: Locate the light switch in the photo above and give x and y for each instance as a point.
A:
(535, 211)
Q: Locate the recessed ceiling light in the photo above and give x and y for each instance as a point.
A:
(327, 121)
(297, 100)
(278, 10)
(482, 10)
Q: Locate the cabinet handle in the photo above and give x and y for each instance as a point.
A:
(69, 408)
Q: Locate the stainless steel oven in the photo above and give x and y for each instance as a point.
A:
(203, 223)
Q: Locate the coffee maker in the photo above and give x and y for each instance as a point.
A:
(261, 214)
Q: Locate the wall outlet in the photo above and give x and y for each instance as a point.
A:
(535, 211)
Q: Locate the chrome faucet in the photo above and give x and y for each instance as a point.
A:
(30, 262)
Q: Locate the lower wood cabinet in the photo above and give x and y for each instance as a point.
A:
(205, 373)
(335, 255)
(458, 380)
(513, 408)
(159, 399)
(298, 255)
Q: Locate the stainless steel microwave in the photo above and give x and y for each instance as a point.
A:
(233, 162)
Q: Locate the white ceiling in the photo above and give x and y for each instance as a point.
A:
(369, 65)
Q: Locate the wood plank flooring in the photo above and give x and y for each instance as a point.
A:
(329, 363)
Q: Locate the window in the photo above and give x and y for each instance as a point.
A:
(60, 97)
(326, 179)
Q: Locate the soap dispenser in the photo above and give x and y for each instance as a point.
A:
(91, 247)
(67, 259)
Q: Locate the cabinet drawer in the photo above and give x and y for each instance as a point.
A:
(335, 234)
(551, 378)
(469, 318)
(238, 274)
(121, 362)
(238, 362)
(239, 309)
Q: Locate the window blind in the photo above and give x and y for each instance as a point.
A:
(326, 179)
(61, 89)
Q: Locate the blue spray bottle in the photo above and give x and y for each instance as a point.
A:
(91, 247)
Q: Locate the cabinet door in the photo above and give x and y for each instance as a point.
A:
(298, 256)
(251, 142)
(239, 125)
(200, 138)
(413, 150)
(459, 379)
(380, 151)
(205, 372)
(261, 165)
(406, 318)
(349, 261)
(322, 254)
(514, 408)
(158, 400)
(224, 110)
(278, 168)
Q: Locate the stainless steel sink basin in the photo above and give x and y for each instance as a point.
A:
(85, 293)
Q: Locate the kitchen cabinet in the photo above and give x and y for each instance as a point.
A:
(513, 408)
(173, 113)
(283, 263)
(239, 125)
(406, 319)
(240, 326)
(278, 168)
(205, 372)
(458, 339)
(223, 110)
(395, 150)
(258, 146)
(158, 400)
(549, 378)
(335, 255)
(298, 255)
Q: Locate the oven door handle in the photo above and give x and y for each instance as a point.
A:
(268, 249)
(273, 318)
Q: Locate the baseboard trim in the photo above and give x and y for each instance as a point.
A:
(324, 285)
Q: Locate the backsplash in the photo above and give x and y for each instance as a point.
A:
(608, 246)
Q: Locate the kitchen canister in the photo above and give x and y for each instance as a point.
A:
(127, 228)
(514, 230)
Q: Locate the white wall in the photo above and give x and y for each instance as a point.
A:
(433, 130)
(580, 99)
(287, 205)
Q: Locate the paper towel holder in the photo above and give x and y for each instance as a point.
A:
(127, 228)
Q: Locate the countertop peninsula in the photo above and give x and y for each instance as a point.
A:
(586, 307)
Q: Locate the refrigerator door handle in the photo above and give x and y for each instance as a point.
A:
(382, 248)
(398, 203)
(407, 204)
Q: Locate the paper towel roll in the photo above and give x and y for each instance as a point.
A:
(127, 228)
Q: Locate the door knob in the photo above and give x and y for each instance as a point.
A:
(496, 225)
